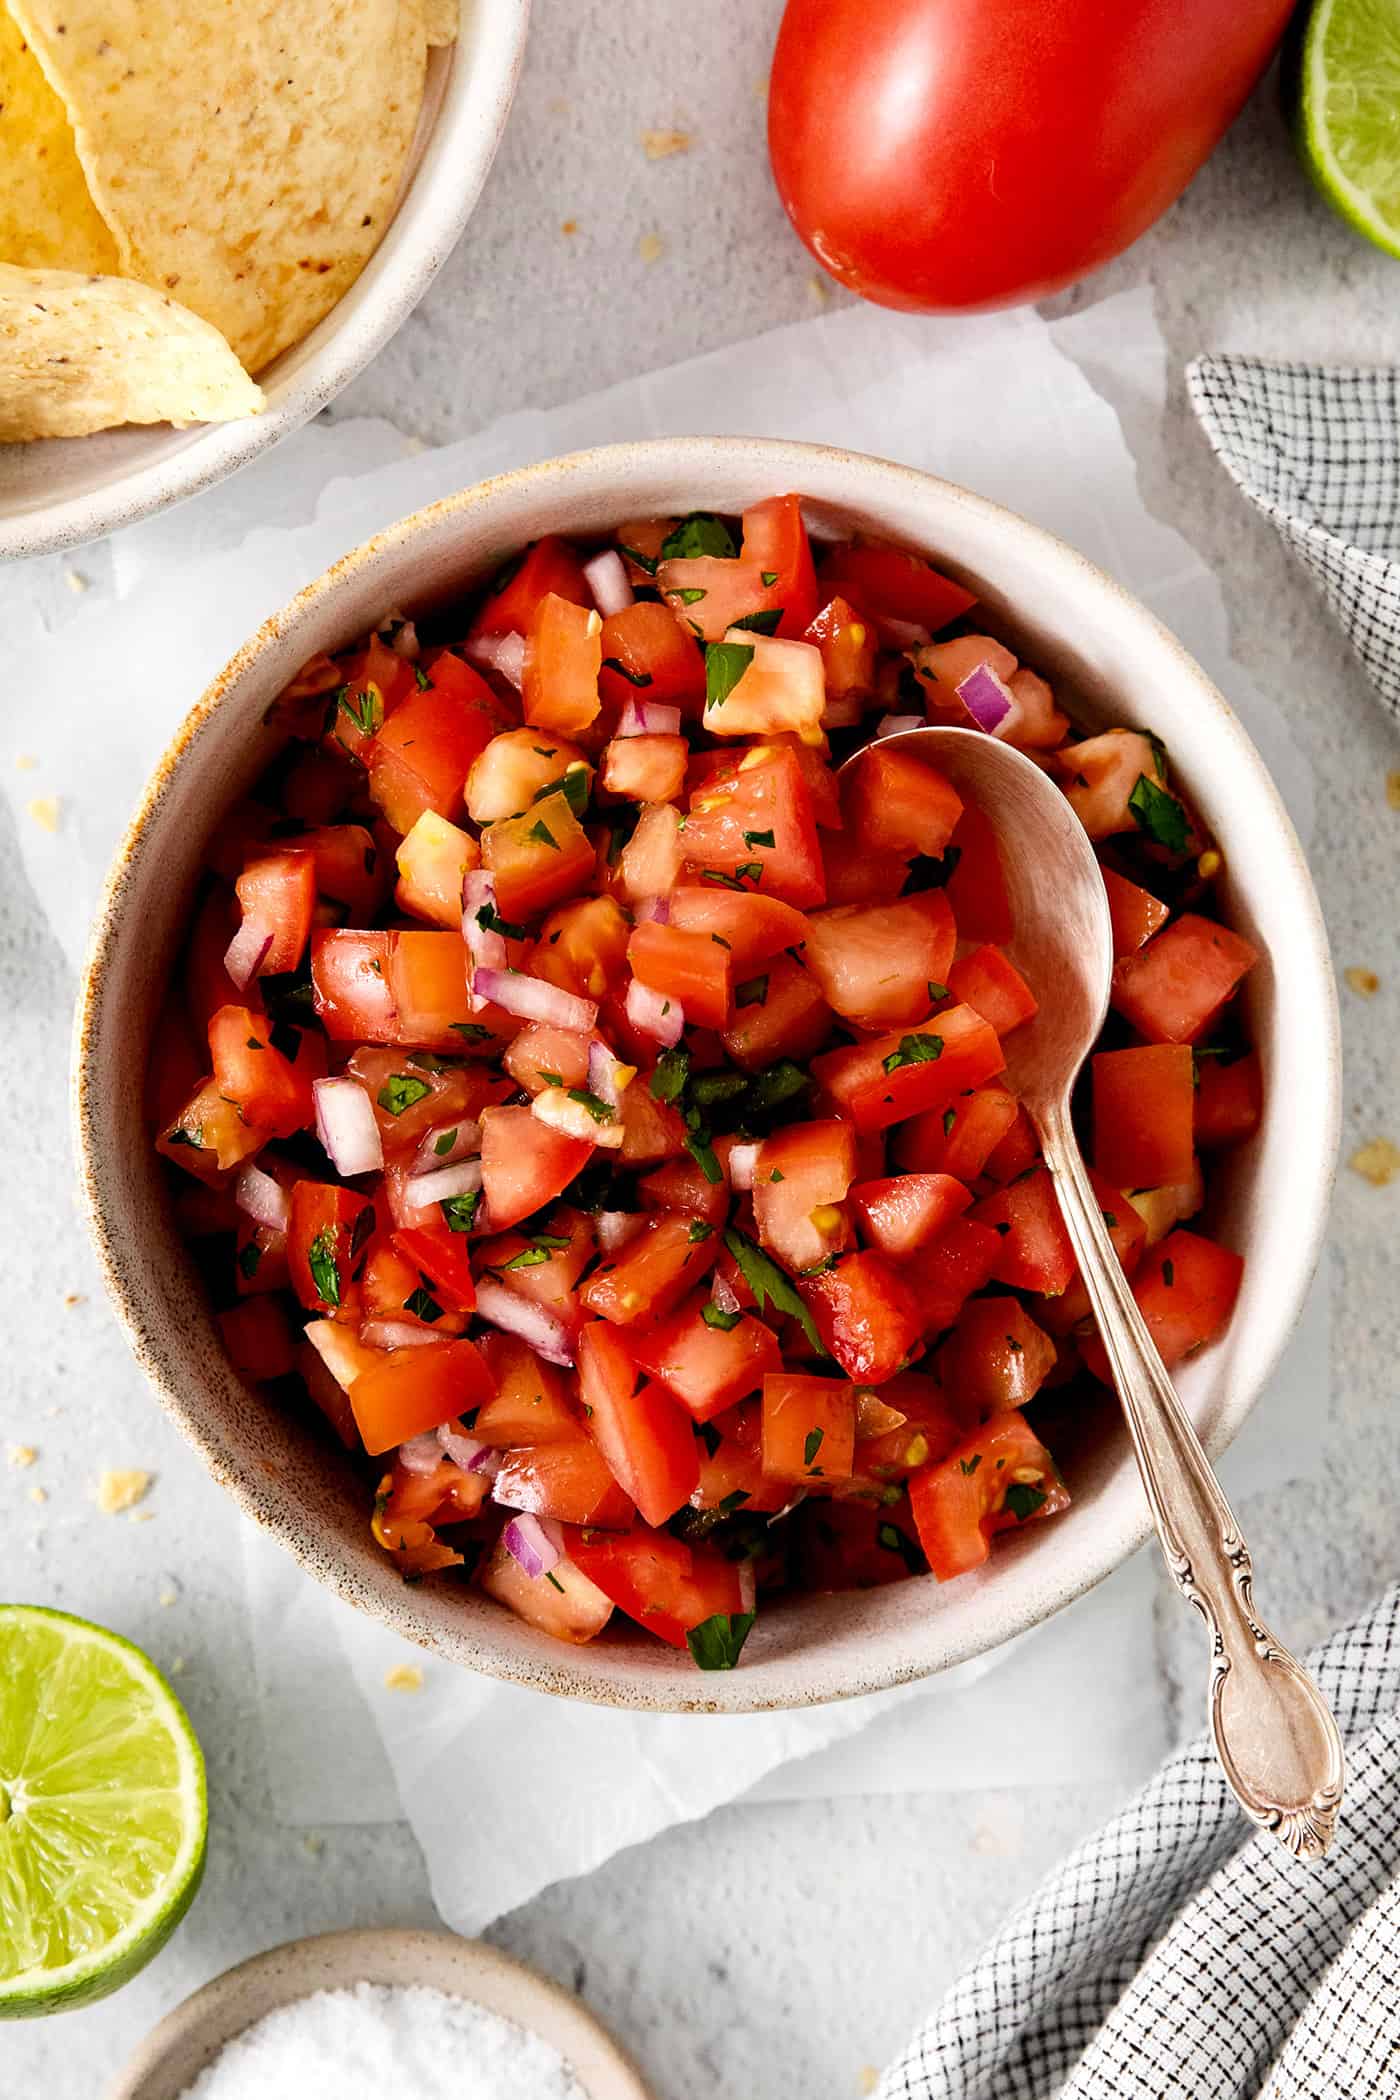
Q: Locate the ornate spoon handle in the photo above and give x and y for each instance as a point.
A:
(1274, 1733)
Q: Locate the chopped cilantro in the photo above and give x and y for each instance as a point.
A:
(615, 663)
(896, 1541)
(490, 921)
(599, 1110)
(1014, 1346)
(777, 1175)
(366, 709)
(769, 577)
(527, 1258)
(725, 665)
(812, 1445)
(1023, 1500)
(423, 1305)
(551, 1577)
(709, 1436)
(472, 1031)
(715, 1316)
(691, 597)
(248, 1258)
(768, 1283)
(778, 1083)
(697, 1144)
(254, 1044)
(193, 1138)
(753, 993)
(1169, 1274)
(716, 1643)
(443, 1142)
(543, 834)
(1159, 814)
(550, 1078)
(432, 1061)
(700, 533)
(1110, 1218)
(672, 1071)
(459, 1212)
(969, 1466)
(749, 870)
(324, 1267)
(572, 784)
(711, 1087)
(758, 838)
(766, 622)
(936, 991)
(915, 1050)
(950, 1117)
(400, 1090)
(645, 562)
(699, 1230)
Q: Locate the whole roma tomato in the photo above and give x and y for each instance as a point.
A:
(971, 153)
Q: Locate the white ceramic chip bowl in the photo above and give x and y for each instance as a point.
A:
(1112, 661)
(62, 492)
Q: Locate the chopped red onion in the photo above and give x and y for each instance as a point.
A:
(903, 634)
(655, 908)
(527, 1541)
(405, 641)
(843, 712)
(264, 1200)
(466, 1144)
(395, 1334)
(486, 948)
(535, 999)
(501, 1307)
(503, 653)
(608, 1077)
(421, 1454)
(346, 1127)
(748, 1586)
(245, 953)
(606, 576)
(616, 1227)
(662, 1019)
(465, 1451)
(443, 1183)
(743, 1160)
(985, 697)
(649, 718)
(895, 725)
(723, 1293)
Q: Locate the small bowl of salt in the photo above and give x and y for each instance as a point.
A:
(395, 2015)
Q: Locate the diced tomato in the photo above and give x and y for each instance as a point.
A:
(851, 1546)
(665, 1585)
(752, 928)
(417, 1389)
(646, 1438)
(265, 1087)
(682, 1185)
(941, 668)
(648, 654)
(392, 1287)
(785, 1017)
(809, 1427)
(209, 1136)
(929, 1424)
(1101, 774)
(350, 982)
(567, 1479)
(258, 1338)
(421, 757)
(881, 1082)
(775, 538)
(531, 1403)
(731, 1466)
(525, 1164)
(651, 1130)
(326, 1239)
(537, 858)
(707, 1366)
(1186, 1288)
(1172, 989)
(976, 886)
(1144, 1109)
(654, 855)
(773, 572)
(1016, 1153)
(570, 1607)
(427, 974)
(416, 1548)
(882, 964)
(690, 968)
(847, 644)
(886, 583)
(278, 895)
(800, 1181)
(779, 688)
(207, 985)
(516, 768)
(318, 786)
(813, 755)
(417, 1092)
(1128, 1233)
(945, 1274)
(379, 679)
(752, 826)
(995, 1356)
(563, 656)
(1135, 913)
(440, 1257)
(645, 768)
(900, 805)
(653, 1272)
(546, 1267)
(988, 982)
(866, 1314)
(861, 878)
(1002, 1477)
(1034, 723)
(1229, 1099)
(906, 1211)
(1035, 1252)
(542, 1055)
(959, 1139)
(583, 947)
(549, 565)
(446, 1495)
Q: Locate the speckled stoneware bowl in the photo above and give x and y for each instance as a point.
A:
(189, 2038)
(1112, 662)
(62, 492)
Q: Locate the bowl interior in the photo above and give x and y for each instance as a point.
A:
(59, 492)
(1111, 661)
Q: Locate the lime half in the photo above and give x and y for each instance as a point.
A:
(1348, 114)
(102, 1811)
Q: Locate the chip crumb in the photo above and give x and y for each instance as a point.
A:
(313, 1841)
(142, 1516)
(1364, 983)
(25, 762)
(660, 145)
(651, 247)
(568, 226)
(44, 812)
(404, 1677)
(760, 86)
(75, 1298)
(76, 582)
(818, 290)
(169, 1595)
(176, 1667)
(38, 1494)
(869, 2078)
(1392, 787)
(1377, 1162)
(121, 1489)
(22, 1454)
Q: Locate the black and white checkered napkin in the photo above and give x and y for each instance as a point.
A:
(1318, 452)
(1179, 1955)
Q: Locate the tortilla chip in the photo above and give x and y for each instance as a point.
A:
(87, 353)
(247, 154)
(47, 217)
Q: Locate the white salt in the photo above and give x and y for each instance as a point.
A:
(386, 2042)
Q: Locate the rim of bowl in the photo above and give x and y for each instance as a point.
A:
(1121, 1531)
(441, 195)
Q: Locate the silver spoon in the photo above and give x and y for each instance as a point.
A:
(1274, 1733)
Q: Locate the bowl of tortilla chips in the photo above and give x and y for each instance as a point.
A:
(212, 214)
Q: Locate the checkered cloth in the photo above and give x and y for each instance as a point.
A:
(1318, 452)
(1180, 1955)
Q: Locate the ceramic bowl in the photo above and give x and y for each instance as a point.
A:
(189, 2038)
(1112, 661)
(61, 492)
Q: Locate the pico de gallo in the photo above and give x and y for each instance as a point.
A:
(595, 1107)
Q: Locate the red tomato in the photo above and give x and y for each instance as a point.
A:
(959, 1139)
(809, 1427)
(889, 583)
(651, 1130)
(1016, 1153)
(546, 1267)
(690, 968)
(540, 1049)
(653, 1272)
(849, 1546)
(645, 1436)
(751, 826)
(563, 656)
(665, 1585)
(995, 1356)
(888, 118)
(537, 858)
(257, 1338)
(1128, 1233)
(734, 1467)
(268, 1089)
(1136, 914)
(977, 886)
(1172, 989)
(329, 1231)
(904, 1212)
(379, 678)
(847, 644)
(570, 1607)
(707, 1367)
(525, 1164)
(350, 983)
(550, 565)
(882, 964)
(531, 1403)
(751, 927)
(787, 1017)
(649, 655)
(899, 804)
(416, 1389)
(583, 947)
(1035, 1252)
(427, 975)
(1144, 1111)
(992, 986)
(883, 1081)
(420, 759)
(800, 1180)
(775, 541)
(681, 1185)
(1001, 1477)
(645, 768)
(209, 1136)
(1229, 1100)
(866, 1314)
(567, 1479)
(1186, 1287)
(441, 1257)
(278, 896)
(944, 1274)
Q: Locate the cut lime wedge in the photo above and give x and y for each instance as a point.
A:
(102, 1811)
(1348, 114)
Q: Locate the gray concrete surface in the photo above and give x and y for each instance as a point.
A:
(770, 1951)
